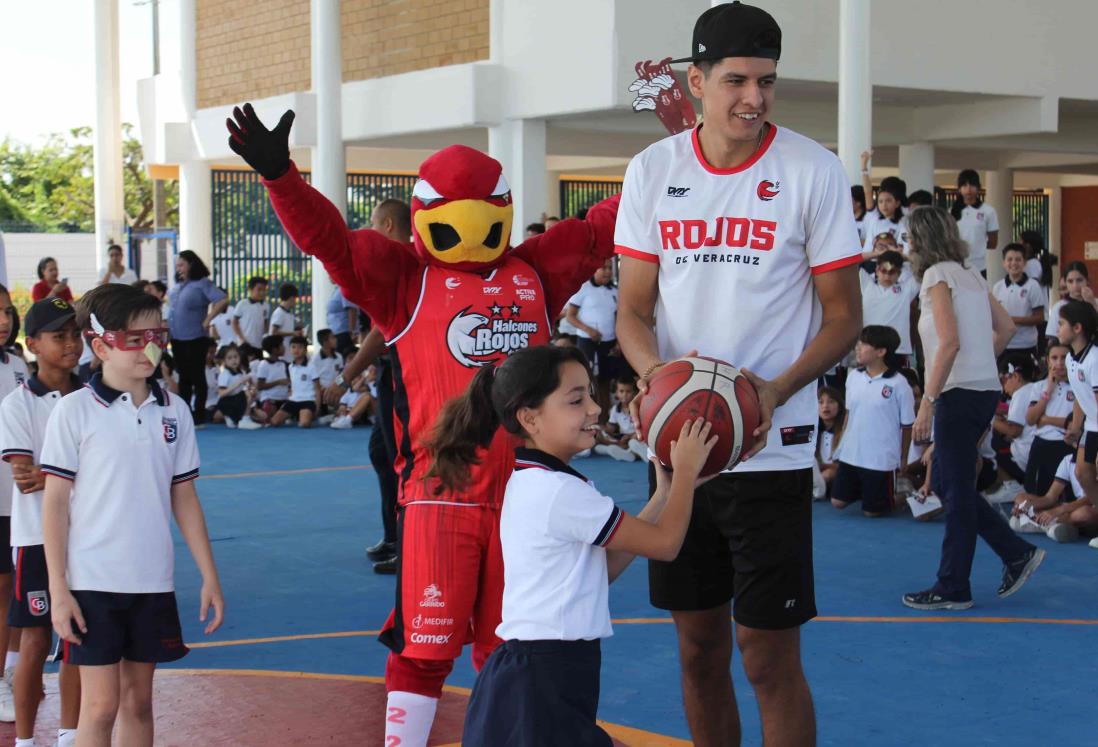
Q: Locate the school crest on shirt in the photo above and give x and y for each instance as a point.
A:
(20, 377)
(896, 289)
(886, 392)
(1071, 396)
(38, 602)
(171, 429)
(1081, 375)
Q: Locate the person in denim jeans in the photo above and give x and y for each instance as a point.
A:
(963, 329)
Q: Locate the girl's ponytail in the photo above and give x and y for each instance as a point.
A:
(466, 423)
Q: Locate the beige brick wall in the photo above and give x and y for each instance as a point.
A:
(261, 48)
(386, 37)
(251, 50)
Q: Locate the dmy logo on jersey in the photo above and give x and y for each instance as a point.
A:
(768, 190)
(477, 340)
(171, 429)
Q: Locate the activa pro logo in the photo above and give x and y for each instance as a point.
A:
(677, 191)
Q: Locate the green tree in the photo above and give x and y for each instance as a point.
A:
(51, 186)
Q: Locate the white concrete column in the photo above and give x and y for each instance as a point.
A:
(195, 189)
(1000, 195)
(917, 166)
(855, 86)
(519, 144)
(329, 156)
(1055, 216)
(110, 215)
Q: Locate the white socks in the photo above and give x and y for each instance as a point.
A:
(66, 738)
(24, 742)
(11, 660)
(408, 719)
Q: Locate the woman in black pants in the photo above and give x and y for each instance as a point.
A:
(193, 303)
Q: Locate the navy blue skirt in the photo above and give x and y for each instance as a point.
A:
(537, 694)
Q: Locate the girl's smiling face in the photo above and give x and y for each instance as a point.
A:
(566, 422)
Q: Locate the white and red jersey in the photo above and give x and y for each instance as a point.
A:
(737, 249)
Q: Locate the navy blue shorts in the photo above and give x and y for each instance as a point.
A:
(876, 489)
(1089, 443)
(293, 409)
(537, 694)
(136, 627)
(30, 589)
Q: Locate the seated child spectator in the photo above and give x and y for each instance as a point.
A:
(273, 377)
(617, 438)
(1062, 514)
(832, 420)
(236, 393)
(881, 410)
(327, 362)
(1051, 404)
(356, 402)
(1017, 371)
(304, 388)
(213, 368)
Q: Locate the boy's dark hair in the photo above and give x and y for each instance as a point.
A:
(323, 336)
(299, 340)
(160, 286)
(535, 228)
(1082, 313)
(493, 399)
(287, 292)
(255, 280)
(883, 338)
(629, 379)
(1019, 363)
(920, 198)
(115, 306)
(1015, 247)
(399, 212)
(42, 266)
(198, 268)
(891, 257)
(271, 343)
(212, 345)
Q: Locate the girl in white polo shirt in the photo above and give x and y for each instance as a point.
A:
(120, 459)
(1079, 329)
(1051, 403)
(977, 221)
(563, 542)
(888, 218)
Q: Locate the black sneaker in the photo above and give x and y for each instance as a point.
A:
(381, 551)
(932, 600)
(1016, 573)
(386, 567)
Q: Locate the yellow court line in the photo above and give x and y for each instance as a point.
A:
(628, 735)
(304, 471)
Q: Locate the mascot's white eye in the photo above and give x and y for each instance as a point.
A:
(502, 188)
(425, 193)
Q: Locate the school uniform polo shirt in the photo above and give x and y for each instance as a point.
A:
(1065, 473)
(737, 250)
(976, 222)
(13, 372)
(598, 308)
(1083, 377)
(123, 460)
(286, 322)
(619, 416)
(875, 224)
(253, 317)
(879, 407)
(302, 377)
(273, 371)
(1020, 299)
(23, 417)
(327, 368)
(1060, 404)
(890, 307)
(554, 528)
(1016, 413)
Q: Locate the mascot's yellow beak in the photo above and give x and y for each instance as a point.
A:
(465, 230)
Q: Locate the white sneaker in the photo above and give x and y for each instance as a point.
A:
(9, 677)
(583, 454)
(342, 423)
(616, 452)
(325, 420)
(1062, 532)
(7, 702)
(229, 422)
(247, 424)
(639, 448)
(1093, 543)
(1005, 493)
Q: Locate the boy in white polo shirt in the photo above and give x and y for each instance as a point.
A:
(1023, 299)
(304, 388)
(881, 409)
(54, 339)
(251, 315)
(120, 458)
(887, 295)
(272, 376)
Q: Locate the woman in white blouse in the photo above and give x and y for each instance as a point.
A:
(963, 329)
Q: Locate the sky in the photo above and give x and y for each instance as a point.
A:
(47, 55)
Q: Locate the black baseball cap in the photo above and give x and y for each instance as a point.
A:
(48, 315)
(735, 30)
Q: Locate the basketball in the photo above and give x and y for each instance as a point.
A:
(700, 387)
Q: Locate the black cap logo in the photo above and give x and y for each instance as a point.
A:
(735, 30)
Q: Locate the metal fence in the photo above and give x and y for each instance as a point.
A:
(248, 238)
(580, 194)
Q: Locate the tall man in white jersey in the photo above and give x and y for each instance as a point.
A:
(736, 239)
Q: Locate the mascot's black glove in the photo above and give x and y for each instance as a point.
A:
(266, 151)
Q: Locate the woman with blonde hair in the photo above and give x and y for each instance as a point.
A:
(963, 329)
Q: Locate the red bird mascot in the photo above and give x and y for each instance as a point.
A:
(459, 299)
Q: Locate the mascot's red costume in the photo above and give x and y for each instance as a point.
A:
(458, 299)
